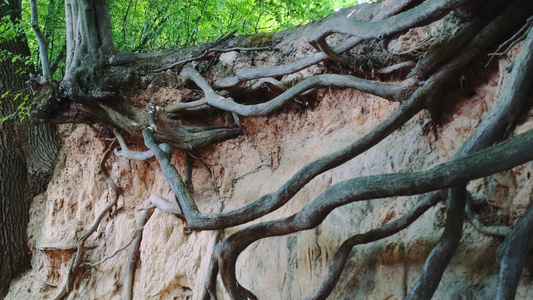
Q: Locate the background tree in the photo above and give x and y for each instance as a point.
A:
(27, 152)
(100, 81)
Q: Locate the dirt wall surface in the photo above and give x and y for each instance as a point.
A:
(174, 261)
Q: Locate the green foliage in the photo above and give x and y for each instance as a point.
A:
(10, 30)
(13, 29)
(22, 110)
(52, 23)
(147, 26)
(6, 55)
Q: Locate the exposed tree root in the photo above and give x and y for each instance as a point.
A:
(440, 256)
(339, 261)
(504, 115)
(496, 231)
(396, 67)
(274, 71)
(126, 152)
(390, 91)
(164, 205)
(152, 202)
(271, 202)
(513, 251)
(226, 253)
(209, 50)
(136, 230)
(425, 13)
(512, 256)
(131, 265)
(504, 156)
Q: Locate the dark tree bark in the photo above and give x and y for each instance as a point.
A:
(27, 155)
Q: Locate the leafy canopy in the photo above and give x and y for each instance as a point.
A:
(150, 26)
(147, 26)
(11, 29)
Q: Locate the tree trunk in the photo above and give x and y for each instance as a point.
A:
(27, 155)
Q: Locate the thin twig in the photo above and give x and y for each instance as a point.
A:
(520, 35)
(135, 232)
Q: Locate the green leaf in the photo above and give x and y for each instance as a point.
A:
(221, 4)
(5, 94)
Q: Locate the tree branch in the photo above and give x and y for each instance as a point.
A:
(43, 45)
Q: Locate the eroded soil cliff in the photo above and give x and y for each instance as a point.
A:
(174, 260)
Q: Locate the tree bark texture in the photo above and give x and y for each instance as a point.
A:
(27, 155)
